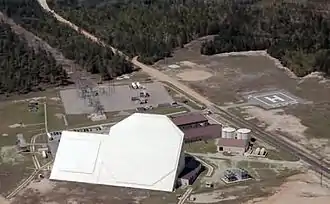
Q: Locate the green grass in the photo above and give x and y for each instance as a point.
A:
(252, 164)
(282, 155)
(314, 116)
(54, 109)
(12, 175)
(201, 147)
(76, 121)
(265, 173)
(179, 95)
(14, 113)
(166, 110)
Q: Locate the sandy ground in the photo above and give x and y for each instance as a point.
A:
(302, 189)
(3, 200)
(277, 120)
(194, 75)
(216, 196)
(43, 186)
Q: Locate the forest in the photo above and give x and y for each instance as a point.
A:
(295, 33)
(24, 69)
(150, 29)
(89, 55)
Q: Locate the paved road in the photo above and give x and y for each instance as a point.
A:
(45, 117)
(185, 195)
(275, 140)
(209, 167)
(32, 149)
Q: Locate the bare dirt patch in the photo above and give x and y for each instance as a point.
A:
(194, 75)
(301, 189)
(4, 200)
(278, 120)
(213, 197)
(43, 186)
(64, 193)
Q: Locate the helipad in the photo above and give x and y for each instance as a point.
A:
(272, 99)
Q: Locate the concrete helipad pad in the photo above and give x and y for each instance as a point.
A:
(272, 99)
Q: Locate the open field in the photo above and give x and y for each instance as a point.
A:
(227, 78)
(201, 147)
(15, 118)
(180, 97)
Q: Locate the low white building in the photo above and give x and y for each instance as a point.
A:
(142, 151)
(232, 145)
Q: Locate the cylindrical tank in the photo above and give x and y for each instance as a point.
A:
(262, 151)
(257, 151)
(228, 132)
(243, 133)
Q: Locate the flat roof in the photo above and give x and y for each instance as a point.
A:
(231, 142)
(188, 119)
(209, 131)
(141, 151)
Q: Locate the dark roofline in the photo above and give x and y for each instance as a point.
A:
(204, 132)
(189, 119)
(232, 142)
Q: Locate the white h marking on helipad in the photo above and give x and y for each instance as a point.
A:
(274, 98)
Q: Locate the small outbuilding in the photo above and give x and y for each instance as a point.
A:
(232, 145)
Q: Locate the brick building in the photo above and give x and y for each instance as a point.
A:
(196, 127)
(191, 120)
(202, 133)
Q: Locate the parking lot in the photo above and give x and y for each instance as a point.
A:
(117, 99)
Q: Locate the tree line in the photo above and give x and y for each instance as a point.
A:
(24, 69)
(295, 33)
(150, 29)
(93, 57)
